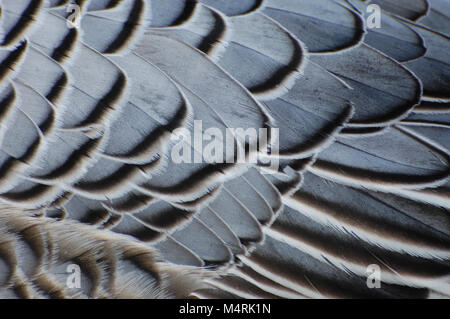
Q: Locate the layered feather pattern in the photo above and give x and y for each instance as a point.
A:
(94, 95)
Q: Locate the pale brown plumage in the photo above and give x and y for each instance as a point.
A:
(92, 93)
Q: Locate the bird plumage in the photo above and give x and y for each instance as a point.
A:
(93, 92)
